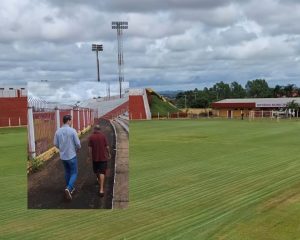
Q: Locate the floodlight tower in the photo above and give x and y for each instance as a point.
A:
(96, 48)
(120, 26)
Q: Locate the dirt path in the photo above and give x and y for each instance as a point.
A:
(46, 187)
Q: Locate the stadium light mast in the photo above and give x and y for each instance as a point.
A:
(120, 26)
(97, 48)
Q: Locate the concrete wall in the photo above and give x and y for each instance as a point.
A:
(13, 111)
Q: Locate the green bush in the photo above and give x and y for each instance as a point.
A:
(36, 164)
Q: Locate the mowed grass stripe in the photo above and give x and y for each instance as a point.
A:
(188, 180)
(270, 165)
(215, 211)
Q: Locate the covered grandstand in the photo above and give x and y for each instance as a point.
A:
(232, 108)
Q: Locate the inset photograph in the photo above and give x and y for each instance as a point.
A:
(77, 145)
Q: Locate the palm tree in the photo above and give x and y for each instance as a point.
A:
(289, 90)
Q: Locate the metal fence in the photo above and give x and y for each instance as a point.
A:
(43, 123)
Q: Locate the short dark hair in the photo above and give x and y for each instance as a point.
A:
(97, 128)
(67, 118)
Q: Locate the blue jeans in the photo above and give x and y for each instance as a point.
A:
(71, 172)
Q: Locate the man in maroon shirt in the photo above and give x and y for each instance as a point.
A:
(99, 152)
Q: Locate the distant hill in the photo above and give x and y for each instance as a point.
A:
(169, 94)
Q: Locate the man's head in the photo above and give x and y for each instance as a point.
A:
(97, 128)
(67, 119)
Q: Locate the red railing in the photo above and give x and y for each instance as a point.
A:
(117, 111)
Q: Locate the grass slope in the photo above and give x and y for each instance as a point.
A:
(195, 179)
(161, 107)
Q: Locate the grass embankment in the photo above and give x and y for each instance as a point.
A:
(163, 108)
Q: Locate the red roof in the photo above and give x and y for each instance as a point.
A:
(233, 105)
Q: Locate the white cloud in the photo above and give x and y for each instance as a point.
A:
(168, 44)
(70, 92)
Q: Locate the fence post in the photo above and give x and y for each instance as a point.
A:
(71, 113)
(78, 114)
(83, 119)
(31, 139)
(271, 114)
(87, 118)
(90, 116)
(57, 118)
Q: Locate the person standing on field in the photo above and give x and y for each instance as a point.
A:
(68, 143)
(99, 153)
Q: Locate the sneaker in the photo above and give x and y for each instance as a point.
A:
(73, 190)
(101, 194)
(68, 194)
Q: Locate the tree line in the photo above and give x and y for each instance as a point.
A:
(257, 88)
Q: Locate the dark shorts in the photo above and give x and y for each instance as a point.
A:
(100, 167)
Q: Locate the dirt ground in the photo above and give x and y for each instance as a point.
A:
(46, 187)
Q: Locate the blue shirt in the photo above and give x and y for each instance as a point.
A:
(67, 141)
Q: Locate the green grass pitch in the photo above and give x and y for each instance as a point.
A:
(189, 179)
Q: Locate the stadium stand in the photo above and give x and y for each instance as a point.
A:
(138, 104)
(104, 106)
(117, 111)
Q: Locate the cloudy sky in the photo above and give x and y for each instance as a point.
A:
(66, 93)
(170, 44)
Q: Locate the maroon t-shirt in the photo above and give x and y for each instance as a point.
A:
(98, 143)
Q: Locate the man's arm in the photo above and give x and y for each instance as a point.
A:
(108, 152)
(77, 141)
(55, 141)
(107, 149)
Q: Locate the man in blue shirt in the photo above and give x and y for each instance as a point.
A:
(68, 143)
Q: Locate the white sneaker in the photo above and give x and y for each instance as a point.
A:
(68, 194)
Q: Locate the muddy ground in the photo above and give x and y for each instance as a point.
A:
(46, 187)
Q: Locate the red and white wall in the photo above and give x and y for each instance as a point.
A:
(138, 105)
(13, 107)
